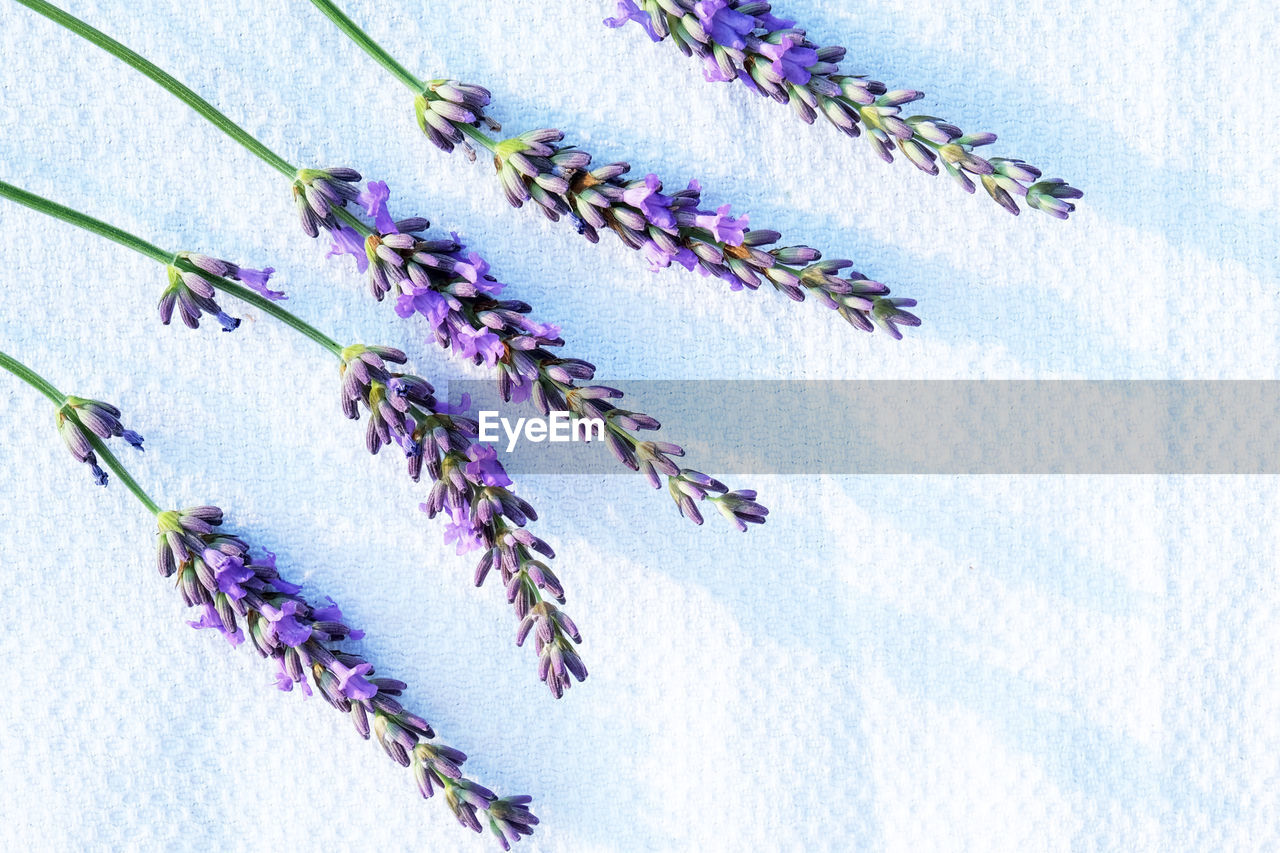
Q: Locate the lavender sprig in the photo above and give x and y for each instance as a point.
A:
(743, 40)
(454, 291)
(472, 489)
(470, 485)
(668, 229)
(241, 595)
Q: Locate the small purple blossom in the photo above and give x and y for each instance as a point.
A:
(484, 467)
(791, 60)
(211, 619)
(628, 11)
(347, 241)
(285, 624)
(724, 23)
(256, 280)
(461, 531)
(475, 269)
(230, 572)
(461, 408)
(726, 229)
(483, 345)
(352, 682)
(425, 301)
(647, 197)
(768, 22)
(374, 197)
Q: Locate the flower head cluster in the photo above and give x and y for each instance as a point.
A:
(743, 40)
(319, 193)
(676, 228)
(79, 419)
(454, 290)
(241, 595)
(192, 289)
(446, 107)
(471, 488)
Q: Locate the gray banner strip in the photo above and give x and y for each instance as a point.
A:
(930, 427)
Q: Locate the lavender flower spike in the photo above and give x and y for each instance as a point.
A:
(472, 489)
(742, 40)
(672, 227)
(452, 288)
(242, 596)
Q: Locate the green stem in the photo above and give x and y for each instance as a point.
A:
(369, 46)
(59, 399)
(479, 136)
(155, 253)
(159, 75)
(349, 218)
(389, 62)
(290, 319)
(35, 380)
(117, 467)
(80, 220)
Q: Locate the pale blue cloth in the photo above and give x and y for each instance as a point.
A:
(892, 663)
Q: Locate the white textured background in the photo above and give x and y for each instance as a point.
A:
(892, 663)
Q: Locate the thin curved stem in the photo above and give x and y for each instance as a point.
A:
(479, 136)
(290, 319)
(35, 380)
(351, 219)
(59, 400)
(117, 467)
(81, 220)
(159, 75)
(369, 46)
(155, 253)
(389, 62)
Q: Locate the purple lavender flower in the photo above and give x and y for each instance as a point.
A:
(255, 280)
(672, 227)
(347, 241)
(302, 639)
(628, 12)
(647, 197)
(374, 198)
(456, 292)
(319, 193)
(723, 23)
(484, 466)
(80, 419)
(743, 40)
(791, 61)
(469, 486)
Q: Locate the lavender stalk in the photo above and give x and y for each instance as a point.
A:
(743, 40)
(242, 595)
(469, 484)
(452, 288)
(668, 228)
